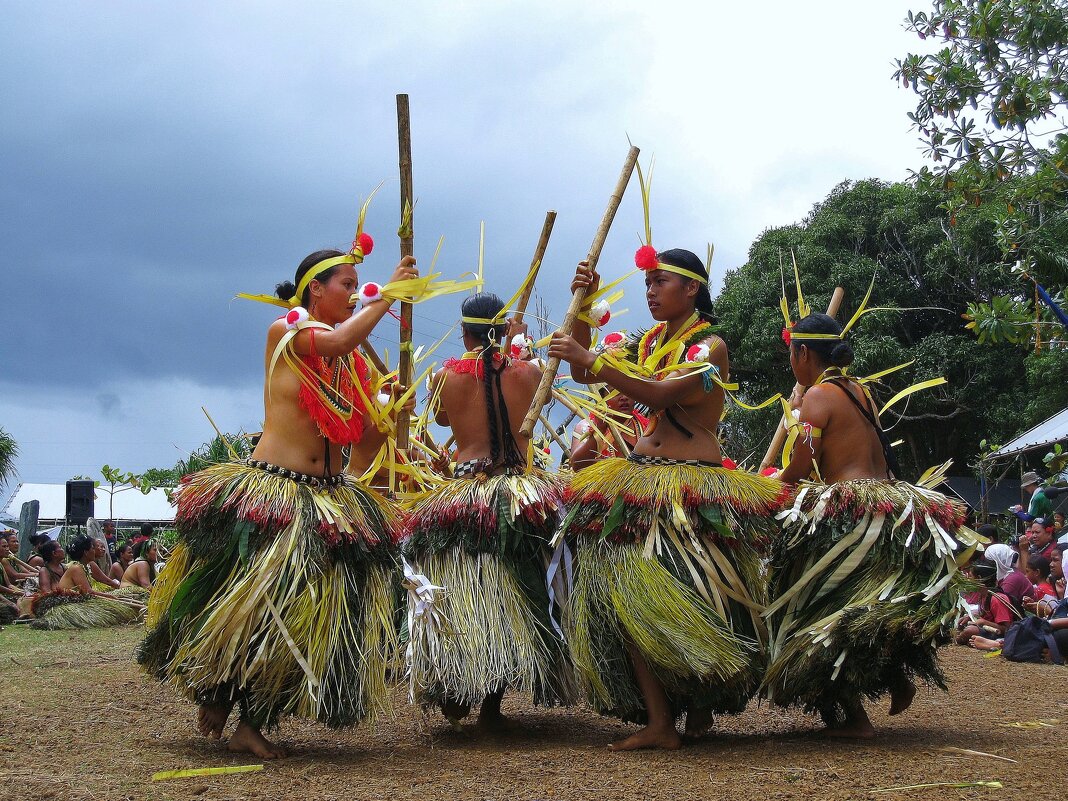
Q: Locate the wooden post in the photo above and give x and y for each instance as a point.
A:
(372, 354)
(555, 437)
(549, 373)
(27, 527)
(779, 437)
(407, 201)
(539, 254)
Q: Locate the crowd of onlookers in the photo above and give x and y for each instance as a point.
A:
(101, 565)
(1019, 607)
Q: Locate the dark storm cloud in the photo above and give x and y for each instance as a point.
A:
(158, 162)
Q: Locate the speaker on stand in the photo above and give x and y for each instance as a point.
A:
(81, 502)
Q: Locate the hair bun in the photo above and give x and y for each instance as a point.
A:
(841, 354)
(285, 290)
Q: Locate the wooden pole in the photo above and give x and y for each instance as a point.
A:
(556, 437)
(549, 373)
(372, 354)
(535, 264)
(780, 431)
(407, 247)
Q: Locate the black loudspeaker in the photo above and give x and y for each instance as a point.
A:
(80, 502)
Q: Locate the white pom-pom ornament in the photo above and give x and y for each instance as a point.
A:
(369, 293)
(583, 428)
(613, 340)
(600, 313)
(296, 316)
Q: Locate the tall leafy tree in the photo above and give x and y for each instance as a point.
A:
(991, 102)
(901, 234)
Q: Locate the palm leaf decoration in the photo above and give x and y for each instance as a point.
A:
(9, 451)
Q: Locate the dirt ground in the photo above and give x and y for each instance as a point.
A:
(80, 722)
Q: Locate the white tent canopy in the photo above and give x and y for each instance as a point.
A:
(1053, 430)
(130, 503)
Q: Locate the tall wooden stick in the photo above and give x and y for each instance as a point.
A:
(545, 388)
(780, 431)
(539, 254)
(372, 354)
(407, 248)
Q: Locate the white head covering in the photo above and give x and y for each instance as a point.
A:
(1003, 558)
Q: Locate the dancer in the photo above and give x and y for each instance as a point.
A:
(277, 597)
(664, 616)
(861, 575)
(484, 537)
(593, 440)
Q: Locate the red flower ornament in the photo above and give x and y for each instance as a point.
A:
(645, 258)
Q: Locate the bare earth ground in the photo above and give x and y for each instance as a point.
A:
(80, 722)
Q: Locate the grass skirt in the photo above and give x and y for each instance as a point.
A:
(60, 610)
(668, 558)
(863, 589)
(278, 597)
(485, 542)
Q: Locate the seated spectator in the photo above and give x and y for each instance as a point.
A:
(1010, 578)
(13, 542)
(996, 610)
(142, 570)
(51, 571)
(1040, 537)
(74, 604)
(990, 532)
(123, 557)
(9, 591)
(36, 541)
(97, 577)
(15, 571)
(1038, 573)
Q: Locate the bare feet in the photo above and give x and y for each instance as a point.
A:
(984, 643)
(698, 721)
(454, 712)
(901, 697)
(249, 740)
(857, 726)
(211, 719)
(668, 739)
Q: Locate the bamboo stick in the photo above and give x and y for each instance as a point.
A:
(556, 437)
(548, 375)
(407, 247)
(372, 354)
(535, 264)
(780, 431)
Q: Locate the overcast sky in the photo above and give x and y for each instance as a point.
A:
(159, 158)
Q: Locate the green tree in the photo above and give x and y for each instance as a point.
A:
(900, 233)
(9, 451)
(990, 110)
(222, 448)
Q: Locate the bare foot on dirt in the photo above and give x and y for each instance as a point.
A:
(454, 712)
(698, 722)
(211, 719)
(984, 643)
(901, 698)
(667, 739)
(246, 739)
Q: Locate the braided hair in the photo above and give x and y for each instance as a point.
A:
(503, 447)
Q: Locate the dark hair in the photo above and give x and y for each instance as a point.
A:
(37, 540)
(834, 352)
(81, 545)
(286, 289)
(146, 529)
(990, 531)
(986, 573)
(1041, 564)
(122, 546)
(141, 550)
(487, 305)
(677, 257)
(46, 550)
(1045, 522)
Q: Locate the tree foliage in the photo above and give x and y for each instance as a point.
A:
(991, 112)
(9, 452)
(901, 234)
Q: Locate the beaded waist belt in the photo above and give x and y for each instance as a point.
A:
(638, 458)
(472, 468)
(301, 478)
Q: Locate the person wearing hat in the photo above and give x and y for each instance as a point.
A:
(1040, 505)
